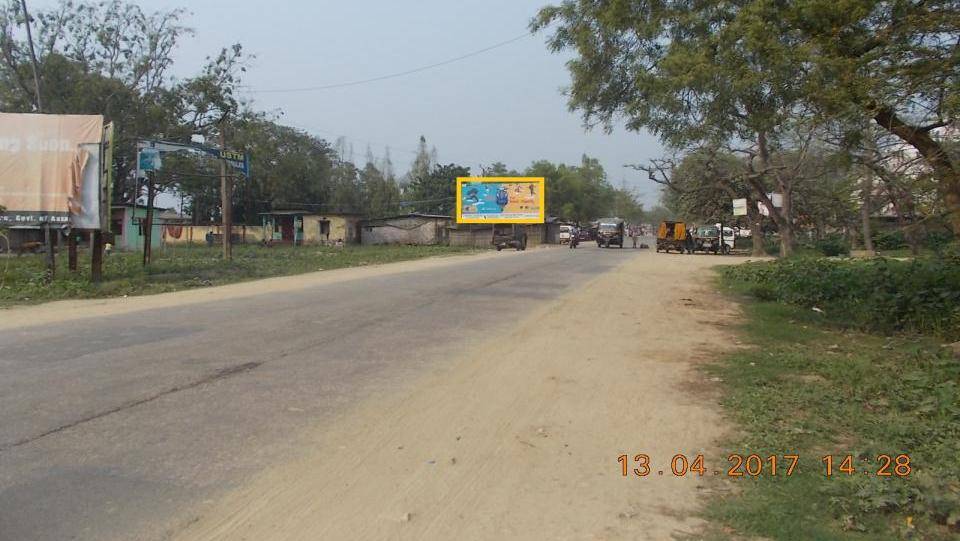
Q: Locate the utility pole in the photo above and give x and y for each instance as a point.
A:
(226, 190)
(33, 55)
(148, 224)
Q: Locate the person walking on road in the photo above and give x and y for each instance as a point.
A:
(633, 235)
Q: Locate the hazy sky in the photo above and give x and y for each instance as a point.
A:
(503, 105)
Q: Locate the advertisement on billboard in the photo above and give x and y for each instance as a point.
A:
(506, 200)
(50, 169)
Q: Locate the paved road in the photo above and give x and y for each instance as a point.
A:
(123, 427)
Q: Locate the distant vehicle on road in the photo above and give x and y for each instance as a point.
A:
(517, 239)
(671, 236)
(586, 235)
(707, 239)
(610, 231)
(565, 231)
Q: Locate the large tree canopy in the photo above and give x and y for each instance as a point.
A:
(759, 72)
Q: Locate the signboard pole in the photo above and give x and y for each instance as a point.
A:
(96, 257)
(72, 251)
(51, 245)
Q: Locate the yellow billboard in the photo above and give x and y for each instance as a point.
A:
(505, 200)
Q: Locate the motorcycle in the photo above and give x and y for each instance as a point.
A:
(574, 240)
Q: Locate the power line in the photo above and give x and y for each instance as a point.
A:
(393, 75)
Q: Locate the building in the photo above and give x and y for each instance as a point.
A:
(127, 225)
(413, 228)
(300, 227)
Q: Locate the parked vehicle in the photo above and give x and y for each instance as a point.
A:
(610, 231)
(585, 235)
(517, 239)
(671, 236)
(565, 231)
(707, 239)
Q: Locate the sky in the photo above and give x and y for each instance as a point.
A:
(502, 105)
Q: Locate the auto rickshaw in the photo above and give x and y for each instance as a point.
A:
(671, 236)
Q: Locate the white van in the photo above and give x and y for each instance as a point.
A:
(565, 232)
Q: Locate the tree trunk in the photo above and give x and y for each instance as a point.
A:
(865, 208)
(756, 228)
(780, 217)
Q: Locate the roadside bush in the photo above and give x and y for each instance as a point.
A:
(938, 240)
(833, 245)
(889, 240)
(771, 246)
(882, 295)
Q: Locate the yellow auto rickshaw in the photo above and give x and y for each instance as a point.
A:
(671, 236)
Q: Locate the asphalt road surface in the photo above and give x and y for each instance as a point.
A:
(123, 426)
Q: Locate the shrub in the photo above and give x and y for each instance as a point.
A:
(833, 246)
(889, 240)
(938, 240)
(882, 295)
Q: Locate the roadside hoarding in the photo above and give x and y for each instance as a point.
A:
(739, 207)
(50, 170)
(505, 200)
(149, 155)
(775, 198)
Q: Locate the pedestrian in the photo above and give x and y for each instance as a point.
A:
(633, 235)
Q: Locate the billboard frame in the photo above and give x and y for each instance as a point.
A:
(541, 181)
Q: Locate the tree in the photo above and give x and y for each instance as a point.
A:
(422, 163)
(894, 63)
(434, 193)
(497, 169)
(381, 195)
(578, 193)
(700, 187)
(684, 71)
(696, 71)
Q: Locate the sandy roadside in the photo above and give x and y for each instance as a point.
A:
(519, 439)
(60, 311)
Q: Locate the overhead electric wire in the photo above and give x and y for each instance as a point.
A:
(393, 75)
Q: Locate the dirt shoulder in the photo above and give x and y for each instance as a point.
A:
(519, 439)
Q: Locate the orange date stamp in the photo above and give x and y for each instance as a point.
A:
(756, 465)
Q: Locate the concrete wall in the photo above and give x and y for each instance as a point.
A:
(480, 236)
(477, 238)
(412, 230)
(197, 234)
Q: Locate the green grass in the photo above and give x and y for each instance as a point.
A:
(906, 253)
(23, 279)
(806, 387)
